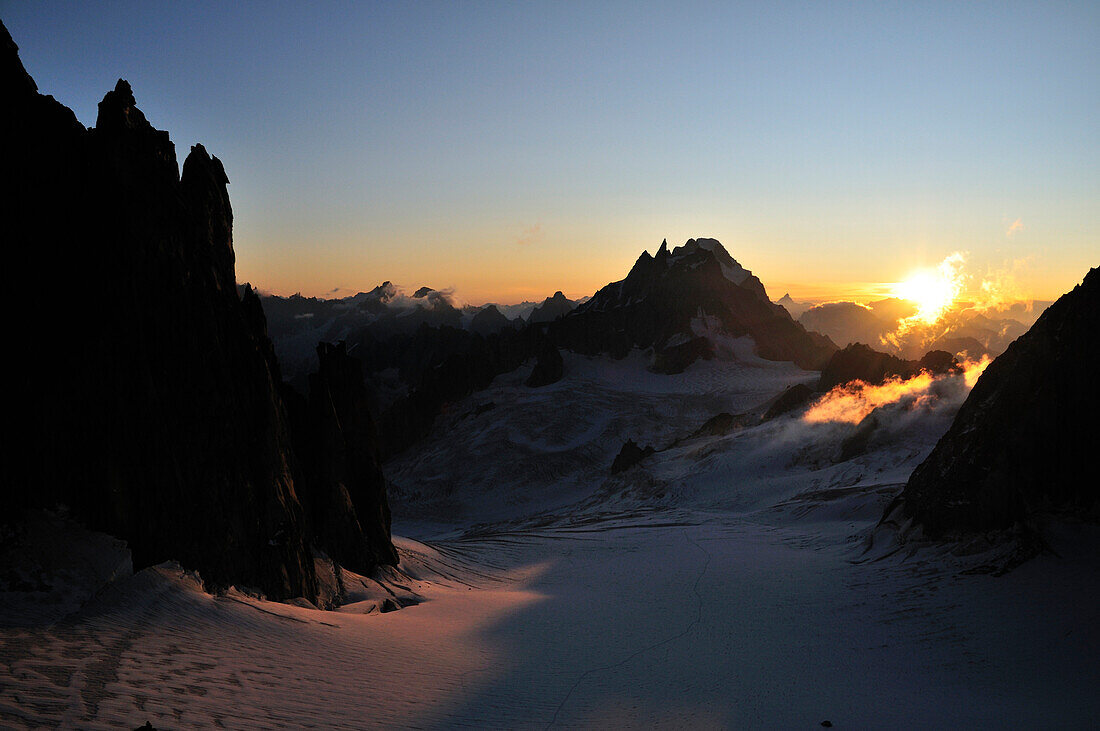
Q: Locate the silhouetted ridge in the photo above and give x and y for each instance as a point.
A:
(551, 308)
(666, 298)
(1025, 440)
(489, 320)
(154, 413)
(859, 362)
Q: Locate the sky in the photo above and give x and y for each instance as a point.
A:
(508, 150)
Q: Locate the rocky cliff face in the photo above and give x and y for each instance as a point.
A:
(439, 365)
(337, 446)
(663, 296)
(1025, 440)
(154, 413)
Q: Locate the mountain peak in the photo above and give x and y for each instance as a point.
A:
(661, 299)
(730, 268)
(384, 292)
(118, 110)
(662, 253)
(551, 308)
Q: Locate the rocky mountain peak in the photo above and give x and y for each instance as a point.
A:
(176, 436)
(383, 294)
(203, 186)
(551, 308)
(662, 300)
(662, 253)
(118, 110)
(488, 320)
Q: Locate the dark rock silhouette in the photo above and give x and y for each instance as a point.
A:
(673, 359)
(422, 292)
(789, 400)
(489, 320)
(440, 365)
(858, 362)
(549, 367)
(724, 423)
(1024, 441)
(156, 415)
(858, 441)
(662, 295)
(551, 308)
(337, 446)
(630, 455)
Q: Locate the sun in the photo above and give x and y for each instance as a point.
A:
(933, 291)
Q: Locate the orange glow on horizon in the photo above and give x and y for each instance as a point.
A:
(933, 291)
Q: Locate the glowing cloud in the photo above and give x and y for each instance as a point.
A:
(1015, 226)
(972, 370)
(1001, 287)
(855, 400)
(852, 402)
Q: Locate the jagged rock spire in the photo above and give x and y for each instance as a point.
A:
(662, 253)
(119, 111)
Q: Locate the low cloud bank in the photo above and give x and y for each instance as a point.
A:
(854, 401)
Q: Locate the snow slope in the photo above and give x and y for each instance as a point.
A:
(724, 582)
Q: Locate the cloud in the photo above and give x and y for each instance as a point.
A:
(530, 236)
(1015, 226)
(854, 401)
(1001, 287)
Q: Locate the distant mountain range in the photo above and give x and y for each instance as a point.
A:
(679, 304)
(298, 323)
(423, 351)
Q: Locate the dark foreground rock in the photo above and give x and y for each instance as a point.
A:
(1025, 440)
(795, 396)
(337, 446)
(549, 368)
(148, 404)
(673, 359)
(630, 455)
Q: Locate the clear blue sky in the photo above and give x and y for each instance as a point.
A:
(511, 149)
